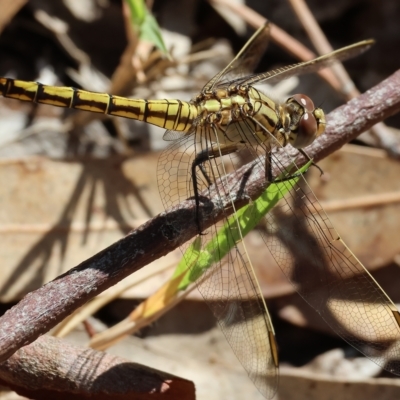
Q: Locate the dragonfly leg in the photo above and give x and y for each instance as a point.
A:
(268, 169)
(203, 156)
(312, 162)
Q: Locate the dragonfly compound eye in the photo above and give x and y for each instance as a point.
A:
(307, 130)
(304, 101)
(310, 121)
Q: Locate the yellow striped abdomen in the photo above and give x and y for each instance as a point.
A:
(176, 115)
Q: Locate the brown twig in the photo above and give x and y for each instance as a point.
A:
(366, 201)
(54, 369)
(281, 38)
(8, 9)
(41, 310)
(385, 136)
(323, 46)
(358, 115)
(336, 76)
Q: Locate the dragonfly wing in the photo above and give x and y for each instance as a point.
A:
(232, 292)
(171, 135)
(330, 278)
(229, 286)
(306, 67)
(246, 60)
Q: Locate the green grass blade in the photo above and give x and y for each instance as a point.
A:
(144, 22)
(196, 260)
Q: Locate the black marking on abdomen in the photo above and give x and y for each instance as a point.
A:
(11, 91)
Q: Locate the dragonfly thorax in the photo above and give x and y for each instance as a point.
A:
(241, 115)
(247, 116)
(221, 107)
(221, 112)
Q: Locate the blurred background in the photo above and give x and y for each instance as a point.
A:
(72, 183)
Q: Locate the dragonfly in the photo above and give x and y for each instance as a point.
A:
(229, 118)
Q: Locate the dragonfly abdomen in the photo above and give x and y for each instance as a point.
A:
(176, 115)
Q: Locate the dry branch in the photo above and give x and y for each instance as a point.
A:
(8, 9)
(51, 368)
(280, 37)
(41, 310)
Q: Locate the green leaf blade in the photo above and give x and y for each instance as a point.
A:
(198, 260)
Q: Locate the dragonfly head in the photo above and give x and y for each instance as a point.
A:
(306, 121)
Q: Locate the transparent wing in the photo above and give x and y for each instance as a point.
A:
(298, 234)
(311, 254)
(330, 278)
(231, 289)
(306, 67)
(246, 60)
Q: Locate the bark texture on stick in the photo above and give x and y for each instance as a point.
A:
(41, 310)
(51, 368)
